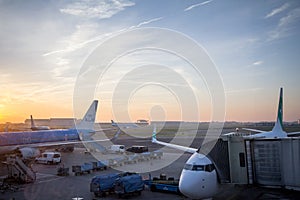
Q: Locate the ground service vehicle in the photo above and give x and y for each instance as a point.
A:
(120, 183)
(84, 168)
(49, 158)
(137, 149)
(100, 185)
(163, 183)
(131, 184)
(117, 148)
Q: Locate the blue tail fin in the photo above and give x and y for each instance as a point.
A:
(87, 122)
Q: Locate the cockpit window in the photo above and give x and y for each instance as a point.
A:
(188, 166)
(207, 168)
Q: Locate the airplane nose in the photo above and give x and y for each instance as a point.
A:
(187, 185)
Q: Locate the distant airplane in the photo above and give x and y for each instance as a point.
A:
(130, 125)
(28, 143)
(277, 131)
(37, 128)
(198, 179)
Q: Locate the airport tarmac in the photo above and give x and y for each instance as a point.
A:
(50, 186)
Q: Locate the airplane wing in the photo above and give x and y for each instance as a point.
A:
(231, 133)
(81, 141)
(174, 146)
(293, 133)
(253, 130)
(48, 144)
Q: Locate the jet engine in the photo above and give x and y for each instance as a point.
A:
(28, 153)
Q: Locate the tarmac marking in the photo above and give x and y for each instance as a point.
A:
(49, 180)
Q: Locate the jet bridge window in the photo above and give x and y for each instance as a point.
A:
(242, 160)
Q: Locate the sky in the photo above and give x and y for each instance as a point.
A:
(47, 48)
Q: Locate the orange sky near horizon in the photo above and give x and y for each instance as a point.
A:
(235, 111)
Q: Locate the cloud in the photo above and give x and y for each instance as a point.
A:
(81, 41)
(289, 18)
(149, 21)
(277, 10)
(96, 8)
(259, 62)
(197, 5)
(285, 25)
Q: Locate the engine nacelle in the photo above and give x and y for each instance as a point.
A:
(28, 153)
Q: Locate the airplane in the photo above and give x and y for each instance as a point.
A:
(36, 128)
(198, 179)
(130, 125)
(29, 143)
(276, 132)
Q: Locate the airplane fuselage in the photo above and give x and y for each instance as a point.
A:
(13, 140)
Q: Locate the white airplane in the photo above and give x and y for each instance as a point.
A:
(130, 125)
(198, 179)
(37, 128)
(29, 143)
(277, 131)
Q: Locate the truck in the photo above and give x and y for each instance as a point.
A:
(49, 158)
(130, 184)
(120, 183)
(163, 184)
(102, 184)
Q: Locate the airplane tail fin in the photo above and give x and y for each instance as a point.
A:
(154, 134)
(32, 122)
(113, 123)
(279, 120)
(87, 122)
(116, 135)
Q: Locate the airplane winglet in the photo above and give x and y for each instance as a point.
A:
(154, 134)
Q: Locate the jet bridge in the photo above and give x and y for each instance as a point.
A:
(265, 162)
(18, 171)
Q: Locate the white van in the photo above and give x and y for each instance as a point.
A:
(49, 158)
(117, 148)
